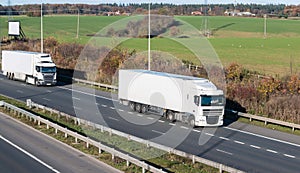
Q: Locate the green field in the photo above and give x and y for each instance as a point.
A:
(235, 39)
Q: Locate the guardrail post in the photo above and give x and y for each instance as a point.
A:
(128, 137)
(87, 143)
(66, 134)
(193, 159)
(113, 155)
(293, 129)
(221, 168)
(127, 162)
(100, 150)
(266, 123)
(29, 103)
(39, 122)
(56, 130)
(143, 169)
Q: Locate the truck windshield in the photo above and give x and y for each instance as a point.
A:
(212, 100)
(48, 69)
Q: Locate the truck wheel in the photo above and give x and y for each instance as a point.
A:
(170, 116)
(132, 106)
(192, 121)
(138, 107)
(12, 76)
(144, 109)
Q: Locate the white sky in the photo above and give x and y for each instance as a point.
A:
(14, 2)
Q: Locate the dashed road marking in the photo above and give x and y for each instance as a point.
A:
(161, 121)
(224, 138)
(150, 118)
(131, 113)
(183, 127)
(172, 124)
(75, 98)
(112, 108)
(121, 110)
(113, 118)
(158, 132)
(104, 106)
(239, 142)
(272, 151)
(209, 134)
(197, 131)
(19, 91)
(225, 152)
(48, 91)
(254, 146)
(140, 115)
(46, 99)
(290, 156)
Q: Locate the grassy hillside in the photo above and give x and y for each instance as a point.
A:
(235, 39)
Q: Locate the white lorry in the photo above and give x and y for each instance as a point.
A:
(192, 100)
(33, 67)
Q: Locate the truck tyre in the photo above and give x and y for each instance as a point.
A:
(12, 76)
(191, 121)
(132, 106)
(144, 109)
(170, 116)
(138, 107)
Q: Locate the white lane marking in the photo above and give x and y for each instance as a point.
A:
(150, 118)
(88, 94)
(226, 139)
(161, 121)
(209, 134)
(19, 91)
(254, 146)
(30, 155)
(261, 136)
(130, 113)
(197, 131)
(104, 106)
(77, 108)
(172, 124)
(75, 98)
(113, 118)
(239, 142)
(112, 108)
(140, 115)
(183, 127)
(46, 99)
(121, 110)
(23, 84)
(272, 151)
(287, 155)
(158, 132)
(225, 152)
(48, 91)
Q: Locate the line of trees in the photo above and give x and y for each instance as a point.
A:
(158, 8)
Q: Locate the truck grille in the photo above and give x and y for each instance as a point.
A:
(212, 119)
(212, 112)
(48, 77)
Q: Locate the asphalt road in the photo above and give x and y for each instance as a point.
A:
(25, 150)
(246, 147)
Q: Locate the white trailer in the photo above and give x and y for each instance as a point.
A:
(192, 100)
(32, 67)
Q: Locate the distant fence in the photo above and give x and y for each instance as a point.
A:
(129, 159)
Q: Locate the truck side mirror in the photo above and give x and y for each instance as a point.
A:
(196, 100)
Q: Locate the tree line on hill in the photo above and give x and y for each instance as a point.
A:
(157, 8)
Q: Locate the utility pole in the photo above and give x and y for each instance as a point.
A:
(149, 37)
(77, 35)
(265, 26)
(42, 41)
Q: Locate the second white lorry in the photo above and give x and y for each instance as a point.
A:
(33, 67)
(192, 100)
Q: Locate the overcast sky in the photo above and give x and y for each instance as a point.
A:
(14, 2)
